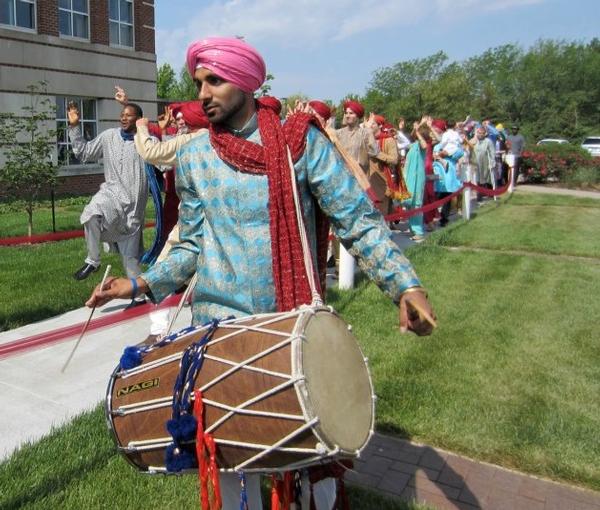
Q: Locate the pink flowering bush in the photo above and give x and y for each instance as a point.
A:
(556, 162)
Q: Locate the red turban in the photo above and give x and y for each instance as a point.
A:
(355, 106)
(379, 119)
(321, 108)
(193, 114)
(154, 130)
(229, 58)
(439, 124)
(271, 102)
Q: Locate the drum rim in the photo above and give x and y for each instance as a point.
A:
(302, 388)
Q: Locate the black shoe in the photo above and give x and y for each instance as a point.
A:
(85, 271)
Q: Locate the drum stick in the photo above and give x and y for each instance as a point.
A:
(423, 314)
(86, 324)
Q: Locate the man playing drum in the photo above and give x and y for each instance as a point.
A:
(238, 229)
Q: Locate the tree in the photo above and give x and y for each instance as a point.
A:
(28, 148)
(265, 88)
(166, 82)
(186, 88)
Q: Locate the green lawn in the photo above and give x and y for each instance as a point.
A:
(13, 221)
(38, 283)
(510, 376)
(533, 223)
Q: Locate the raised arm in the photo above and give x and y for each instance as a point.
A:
(86, 151)
(154, 151)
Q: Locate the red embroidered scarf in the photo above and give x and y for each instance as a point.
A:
(291, 284)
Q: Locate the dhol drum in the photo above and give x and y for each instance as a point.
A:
(280, 391)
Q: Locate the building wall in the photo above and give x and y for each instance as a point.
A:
(79, 68)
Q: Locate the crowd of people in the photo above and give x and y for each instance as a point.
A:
(410, 170)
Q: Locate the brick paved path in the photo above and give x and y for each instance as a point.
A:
(411, 471)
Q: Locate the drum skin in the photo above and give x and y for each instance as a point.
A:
(331, 386)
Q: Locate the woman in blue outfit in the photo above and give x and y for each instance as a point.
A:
(447, 181)
(414, 176)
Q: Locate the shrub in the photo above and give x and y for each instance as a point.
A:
(556, 162)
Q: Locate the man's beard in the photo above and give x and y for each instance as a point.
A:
(225, 115)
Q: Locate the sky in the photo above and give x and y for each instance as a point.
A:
(327, 49)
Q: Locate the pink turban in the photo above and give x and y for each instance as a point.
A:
(321, 108)
(230, 59)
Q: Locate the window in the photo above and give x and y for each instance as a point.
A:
(18, 13)
(73, 18)
(120, 14)
(87, 120)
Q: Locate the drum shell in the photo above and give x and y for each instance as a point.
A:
(282, 340)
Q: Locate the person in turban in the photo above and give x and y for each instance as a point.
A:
(382, 166)
(238, 226)
(357, 140)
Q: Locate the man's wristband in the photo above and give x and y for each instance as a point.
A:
(134, 287)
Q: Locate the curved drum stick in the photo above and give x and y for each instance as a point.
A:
(62, 370)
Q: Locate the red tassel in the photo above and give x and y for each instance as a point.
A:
(200, 452)
(276, 489)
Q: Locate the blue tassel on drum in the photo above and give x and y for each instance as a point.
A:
(178, 459)
(131, 358)
(183, 428)
(183, 425)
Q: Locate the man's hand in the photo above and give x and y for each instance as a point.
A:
(416, 314)
(121, 95)
(165, 119)
(73, 114)
(142, 122)
(113, 288)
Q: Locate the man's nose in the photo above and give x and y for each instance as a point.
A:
(204, 92)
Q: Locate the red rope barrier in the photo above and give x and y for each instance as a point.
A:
(400, 214)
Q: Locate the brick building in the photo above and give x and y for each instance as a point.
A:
(81, 49)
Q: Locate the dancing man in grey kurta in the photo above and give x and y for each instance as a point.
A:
(116, 213)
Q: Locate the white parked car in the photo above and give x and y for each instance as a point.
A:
(592, 145)
(545, 141)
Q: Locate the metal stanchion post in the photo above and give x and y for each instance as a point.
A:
(466, 203)
(53, 212)
(510, 161)
(347, 265)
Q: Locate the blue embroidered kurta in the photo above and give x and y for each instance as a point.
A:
(225, 236)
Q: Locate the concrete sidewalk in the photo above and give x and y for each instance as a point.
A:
(36, 396)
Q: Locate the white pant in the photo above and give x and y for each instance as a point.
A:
(324, 492)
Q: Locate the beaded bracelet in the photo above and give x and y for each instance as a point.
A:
(134, 286)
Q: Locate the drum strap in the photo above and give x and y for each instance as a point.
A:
(311, 275)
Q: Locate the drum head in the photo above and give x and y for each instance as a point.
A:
(339, 386)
